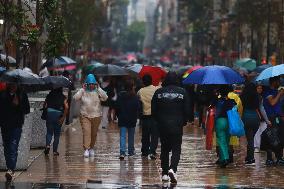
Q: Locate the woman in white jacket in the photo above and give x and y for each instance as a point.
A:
(90, 96)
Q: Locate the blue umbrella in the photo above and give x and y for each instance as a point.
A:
(259, 69)
(214, 75)
(271, 72)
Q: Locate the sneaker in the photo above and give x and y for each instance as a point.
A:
(55, 153)
(280, 162)
(86, 154)
(144, 156)
(152, 156)
(173, 176)
(91, 153)
(165, 178)
(269, 162)
(9, 175)
(218, 162)
(250, 162)
(121, 157)
(46, 150)
(223, 164)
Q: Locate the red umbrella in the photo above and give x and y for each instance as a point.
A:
(157, 73)
(190, 70)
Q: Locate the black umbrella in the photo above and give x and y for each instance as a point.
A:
(20, 77)
(109, 70)
(52, 82)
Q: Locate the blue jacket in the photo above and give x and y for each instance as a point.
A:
(128, 107)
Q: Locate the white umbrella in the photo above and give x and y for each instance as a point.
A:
(10, 59)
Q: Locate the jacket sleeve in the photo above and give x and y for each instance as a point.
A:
(154, 105)
(25, 104)
(102, 94)
(78, 95)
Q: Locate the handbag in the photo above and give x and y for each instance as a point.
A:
(44, 113)
(236, 125)
(270, 139)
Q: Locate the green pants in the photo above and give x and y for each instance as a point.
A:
(223, 137)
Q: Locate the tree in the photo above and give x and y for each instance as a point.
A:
(132, 38)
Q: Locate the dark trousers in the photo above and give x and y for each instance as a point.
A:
(11, 136)
(150, 136)
(53, 128)
(170, 143)
(279, 152)
(251, 121)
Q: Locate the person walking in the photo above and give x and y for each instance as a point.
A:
(222, 105)
(14, 105)
(251, 119)
(127, 111)
(264, 120)
(150, 134)
(170, 109)
(57, 108)
(272, 106)
(90, 96)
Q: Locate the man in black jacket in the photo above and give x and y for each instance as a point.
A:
(170, 109)
(14, 104)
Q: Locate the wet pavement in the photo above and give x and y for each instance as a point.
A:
(197, 167)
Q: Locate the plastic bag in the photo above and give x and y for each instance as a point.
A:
(270, 139)
(236, 125)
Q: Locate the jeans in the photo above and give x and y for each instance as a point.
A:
(131, 132)
(11, 137)
(170, 143)
(150, 136)
(53, 127)
(223, 137)
(251, 121)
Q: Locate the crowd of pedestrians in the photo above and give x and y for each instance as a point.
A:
(163, 111)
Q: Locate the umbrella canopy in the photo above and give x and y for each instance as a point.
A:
(57, 62)
(246, 63)
(90, 67)
(2, 69)
(53, 82)
(157, 73)
(109, 70)
(259, 69)
(190, 70)
(214, 75)
(20, 77)
(271, 72)
(182, 69)
(11, 60)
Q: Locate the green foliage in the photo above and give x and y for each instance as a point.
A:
(56, 38)
(199, 11)
(81, 17)
(132, 38)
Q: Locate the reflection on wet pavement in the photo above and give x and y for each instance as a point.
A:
(197, 167)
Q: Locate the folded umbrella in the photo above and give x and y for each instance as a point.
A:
(271, 72)
(109, 70)
(214, 75)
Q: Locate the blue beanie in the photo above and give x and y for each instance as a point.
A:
(91, 79)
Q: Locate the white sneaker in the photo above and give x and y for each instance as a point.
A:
(173, 176)
(165, 178)
(91, 152)
(86, 154)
